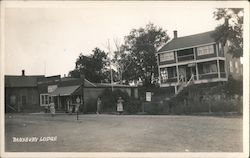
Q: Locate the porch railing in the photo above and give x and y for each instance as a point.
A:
(169, 80)
(185, 57)
(208, 75)
(12, 108)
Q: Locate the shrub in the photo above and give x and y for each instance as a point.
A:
(133, 106)
(108, 99)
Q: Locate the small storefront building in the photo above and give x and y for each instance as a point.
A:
(67, 98)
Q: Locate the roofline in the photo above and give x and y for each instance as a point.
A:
(90, 82)
(24, 76)
(20, 86)
(185, 48)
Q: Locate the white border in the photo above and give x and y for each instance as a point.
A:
(67, 4)
(2, 46)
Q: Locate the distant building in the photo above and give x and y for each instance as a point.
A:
(21, 92)
(196, 58)
(34, 93)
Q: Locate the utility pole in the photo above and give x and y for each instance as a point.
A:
(110, 64)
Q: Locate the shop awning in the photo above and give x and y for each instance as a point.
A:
(65, 91)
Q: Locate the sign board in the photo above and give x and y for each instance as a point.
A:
(148, 96)
(51, 88)
(191, 65)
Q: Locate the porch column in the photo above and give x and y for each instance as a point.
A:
(226, 64)
(217, 49)
(197, 72)
(218, 68)
(159, 72)
(176, 58)
(194, 53)
(175, 89)
(177, 70)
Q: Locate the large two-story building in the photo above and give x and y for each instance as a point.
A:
(198, 58)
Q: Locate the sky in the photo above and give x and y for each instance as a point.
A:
(48, 40)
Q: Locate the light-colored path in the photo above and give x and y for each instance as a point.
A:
(125, 133)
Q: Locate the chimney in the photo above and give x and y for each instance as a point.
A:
(23, 72)
(175, 34)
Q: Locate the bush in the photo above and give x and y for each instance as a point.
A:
(108, 100)
(133, 106)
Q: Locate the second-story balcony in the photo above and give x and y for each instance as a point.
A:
(185, 55)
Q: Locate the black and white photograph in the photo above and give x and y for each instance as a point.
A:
(124, 79)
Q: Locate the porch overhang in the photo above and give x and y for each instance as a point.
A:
(66, 91)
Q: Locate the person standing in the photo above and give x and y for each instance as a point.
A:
(78, 101)
(120, 105)
(52, 108)
(68, 104)
(98, 107)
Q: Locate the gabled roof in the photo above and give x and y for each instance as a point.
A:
(188, 41)
(21, 81)
(65, 91)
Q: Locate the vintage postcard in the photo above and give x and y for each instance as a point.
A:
(124, 79)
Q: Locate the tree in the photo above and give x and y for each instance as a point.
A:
(230, 30)
(92, 66)
(141, 45)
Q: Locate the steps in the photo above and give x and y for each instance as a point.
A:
(183, 84)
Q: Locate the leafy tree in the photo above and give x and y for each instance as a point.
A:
(93, 66)
(231, 29)
(141, 45)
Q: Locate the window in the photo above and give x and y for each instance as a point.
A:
(171, 72)
(230, 66)
(164, 74)
(167, 56)
(209, 68)
(12, 100)
(44, 99)
(205, 50)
